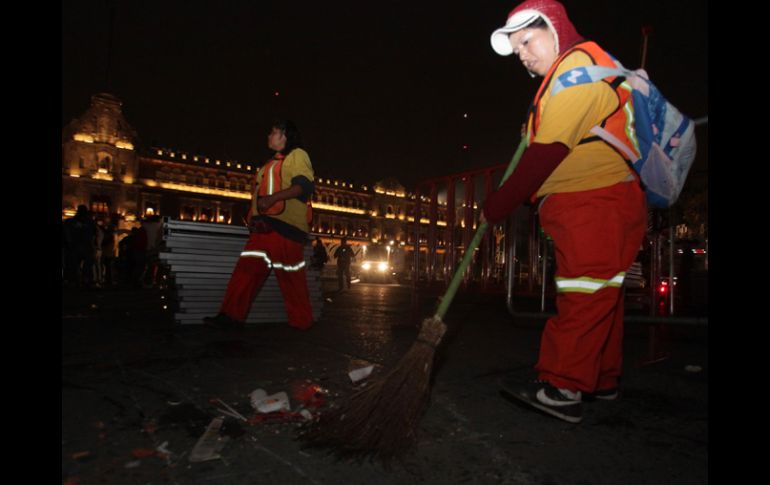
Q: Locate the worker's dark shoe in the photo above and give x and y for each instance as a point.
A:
(563, 404)
(222, 322)
(602, 394)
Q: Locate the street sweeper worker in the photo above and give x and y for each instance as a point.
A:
(589, 202)
(278, 224)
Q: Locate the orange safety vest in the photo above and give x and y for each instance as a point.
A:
(271, 183)
(619, 123)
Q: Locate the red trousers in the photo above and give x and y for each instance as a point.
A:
(596, 234)
(263, 252)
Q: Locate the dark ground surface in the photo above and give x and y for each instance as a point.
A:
(133, 380)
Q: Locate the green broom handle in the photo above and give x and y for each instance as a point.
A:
(449, 295)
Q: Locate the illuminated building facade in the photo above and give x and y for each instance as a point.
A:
(103, 168)
(99, 162)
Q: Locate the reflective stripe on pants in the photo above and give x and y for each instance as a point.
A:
(262, 252)
(596, 234)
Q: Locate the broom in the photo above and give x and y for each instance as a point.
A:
(381, 420)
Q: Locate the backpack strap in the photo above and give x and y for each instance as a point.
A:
(590, 74)
(585, 75)
(612, 140)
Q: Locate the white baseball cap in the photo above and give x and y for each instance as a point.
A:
(519, 20)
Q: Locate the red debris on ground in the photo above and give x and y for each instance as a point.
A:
(309, 394)
(142, 452)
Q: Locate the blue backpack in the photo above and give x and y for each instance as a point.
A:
(665, 138)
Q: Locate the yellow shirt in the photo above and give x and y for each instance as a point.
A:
(297, 163)
(567, 118)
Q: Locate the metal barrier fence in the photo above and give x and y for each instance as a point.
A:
(515, 257)
(452, 206)
(199, 258)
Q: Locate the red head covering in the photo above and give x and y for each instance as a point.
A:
(527, 12)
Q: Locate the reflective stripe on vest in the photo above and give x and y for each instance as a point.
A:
(274, 265)
(270, 188)
(270, 183)
(585, 284)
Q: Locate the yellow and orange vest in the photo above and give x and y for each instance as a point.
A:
(270, 180)
(619, 123)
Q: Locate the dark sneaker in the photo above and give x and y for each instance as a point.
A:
(222, 322)
(561, 403)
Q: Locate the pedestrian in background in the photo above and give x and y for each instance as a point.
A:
(108, 253)
(154, 228)
(80, 249)
(319, 255)
(98, 266)
(590, 202)
(344, 256)
(138, 256)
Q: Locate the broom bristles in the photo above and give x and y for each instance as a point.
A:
(382, 419)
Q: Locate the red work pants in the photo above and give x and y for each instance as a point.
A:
(262, 252)
(596, 234)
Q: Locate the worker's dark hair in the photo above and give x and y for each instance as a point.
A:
(293, 137)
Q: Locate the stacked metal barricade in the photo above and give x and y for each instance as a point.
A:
(198, 259)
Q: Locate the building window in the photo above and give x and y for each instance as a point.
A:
(151, 209)
(123, 168)
(82, 163)
(99, 208)
(187, 213)
(100, 204)
(104, 164)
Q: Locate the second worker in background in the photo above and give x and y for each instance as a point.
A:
(278, 226)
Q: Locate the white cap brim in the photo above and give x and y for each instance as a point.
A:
(500, 41)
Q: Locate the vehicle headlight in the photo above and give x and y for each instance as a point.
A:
(382, 267)
(366, 266)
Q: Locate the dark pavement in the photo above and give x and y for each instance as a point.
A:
(132, 380)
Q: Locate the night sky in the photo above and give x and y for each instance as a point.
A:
(377, 89)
